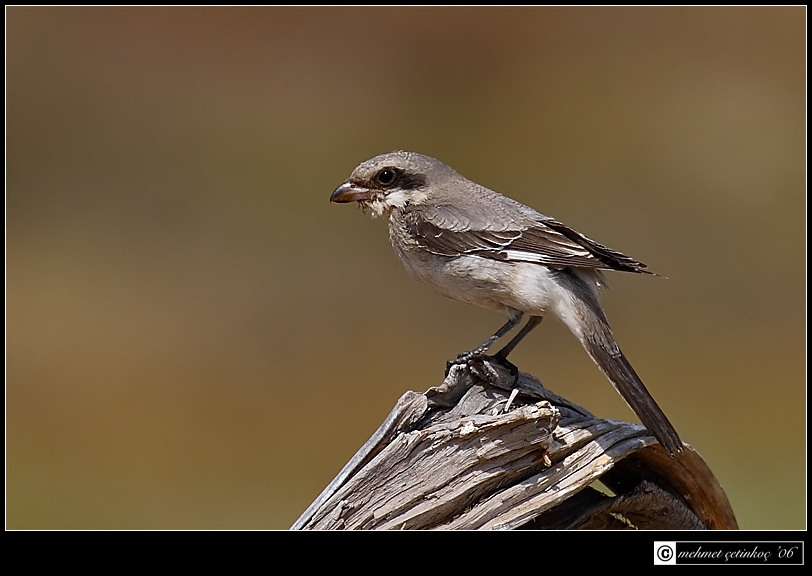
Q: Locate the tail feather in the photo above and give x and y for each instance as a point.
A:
(600, 344)
(631, 388)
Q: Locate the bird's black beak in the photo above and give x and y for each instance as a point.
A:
(349, 192)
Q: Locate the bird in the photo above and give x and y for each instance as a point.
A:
(477, 246)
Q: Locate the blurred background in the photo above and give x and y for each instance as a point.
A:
(197, 338)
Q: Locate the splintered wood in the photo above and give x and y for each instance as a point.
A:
(493, 449)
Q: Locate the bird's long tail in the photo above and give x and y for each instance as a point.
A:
(599, 342)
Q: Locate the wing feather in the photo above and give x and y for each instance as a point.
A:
(517, 237)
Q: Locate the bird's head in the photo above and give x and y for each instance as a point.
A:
(391, 181)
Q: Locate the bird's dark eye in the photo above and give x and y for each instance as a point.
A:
(387, 176)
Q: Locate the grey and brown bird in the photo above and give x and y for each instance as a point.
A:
(477, 246)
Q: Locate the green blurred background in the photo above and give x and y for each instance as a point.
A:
(197, 338)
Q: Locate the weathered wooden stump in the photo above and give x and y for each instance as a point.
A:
(491, 448)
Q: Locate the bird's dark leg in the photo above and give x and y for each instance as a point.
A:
(508, 348)
(480, 350)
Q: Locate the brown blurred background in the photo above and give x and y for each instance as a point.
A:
(197, 338)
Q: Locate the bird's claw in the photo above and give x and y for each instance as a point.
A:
(465, 359)
(480, 365)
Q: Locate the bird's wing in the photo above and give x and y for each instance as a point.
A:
(519, 234)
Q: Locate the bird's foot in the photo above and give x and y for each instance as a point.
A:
(466, 358)
(482, 366)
